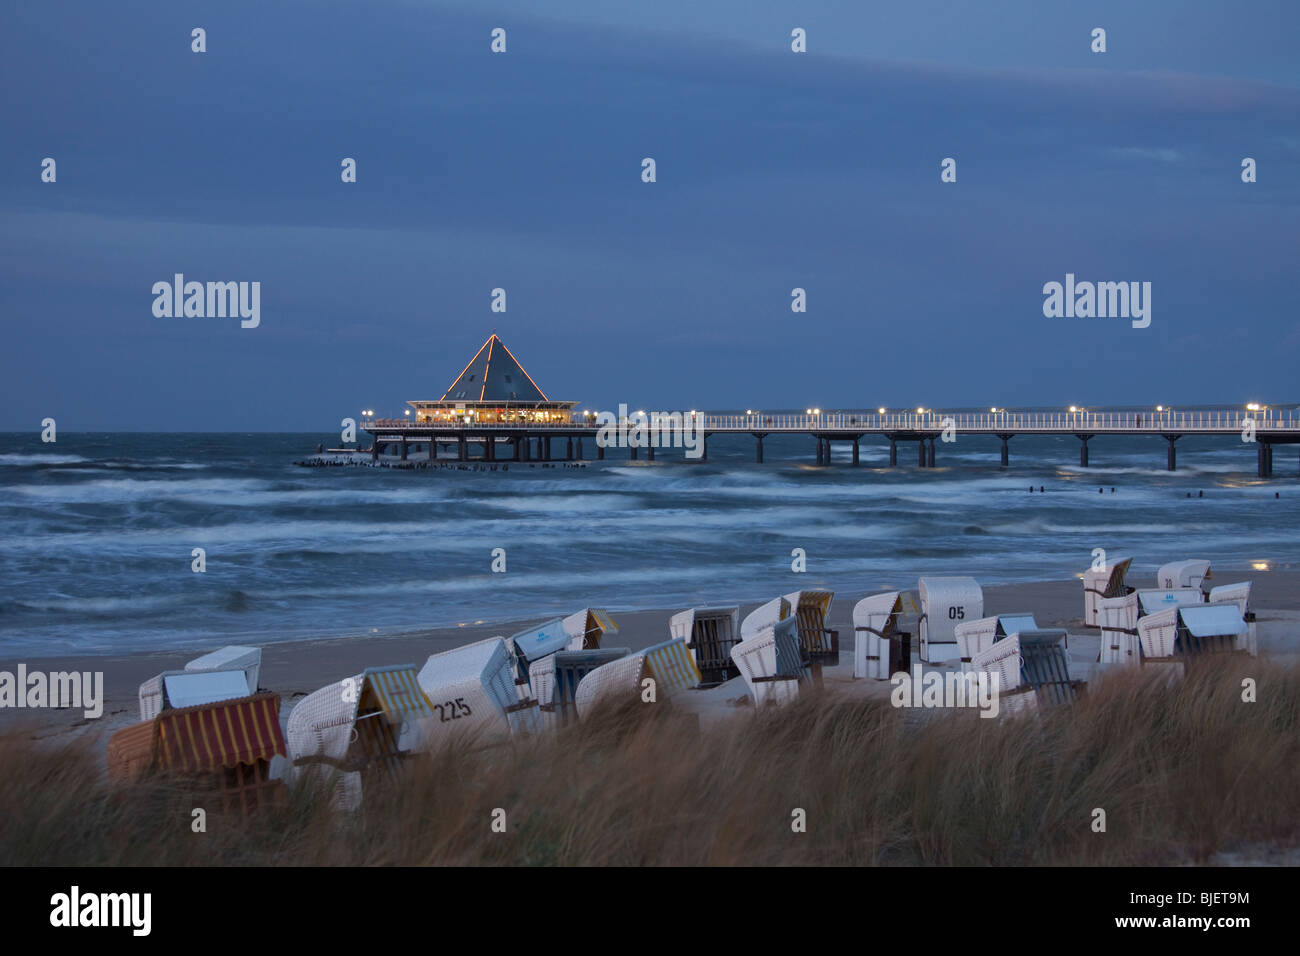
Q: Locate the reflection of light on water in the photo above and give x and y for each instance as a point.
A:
(1259, 565)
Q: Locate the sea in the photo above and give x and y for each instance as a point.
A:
(100, 531)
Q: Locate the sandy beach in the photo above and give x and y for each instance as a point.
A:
(296, 668)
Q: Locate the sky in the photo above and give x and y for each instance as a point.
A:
(775, 170)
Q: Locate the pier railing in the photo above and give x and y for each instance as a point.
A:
(1215, 421)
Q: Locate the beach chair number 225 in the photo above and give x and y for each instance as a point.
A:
(957, 613)
(458, 709)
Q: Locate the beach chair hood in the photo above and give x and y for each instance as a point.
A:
(764, 616)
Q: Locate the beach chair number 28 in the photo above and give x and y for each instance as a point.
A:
(957, 613)
(457, 707)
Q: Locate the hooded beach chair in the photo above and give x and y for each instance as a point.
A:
(670, 665)
(473, 693)
(1211, 629)
(772, 663)
(1238, 594)
(1154, 600)
(1002, 659)
(232, 657)
(821, 644)
(364, 725)
(172, 689)
(880, 647)
(587, 627)
(979, 635)
(710, 633)
(1118, 617)
(1192, 573)
(1045, 667)
(555, 679)
(945, 603)
(223, 747)
(1106, 582)
(248, 660)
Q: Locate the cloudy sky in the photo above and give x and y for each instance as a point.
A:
(775, 170)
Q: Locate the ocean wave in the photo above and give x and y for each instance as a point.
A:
(19, 460)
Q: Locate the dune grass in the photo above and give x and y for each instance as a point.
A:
(1181, 774)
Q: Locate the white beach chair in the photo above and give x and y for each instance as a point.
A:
(1212, 628)
(586, 628)
(669, 665)
(1239, 594)
(945, 603)
(234, 656)
(362, 724)
(556, 677)
(878, 646)
(1105, 582)
(1192, 573)
(473, 694)
(1118, 617)
(1002, 659)
(1157, 633)
(981, 634)
(771, 663)
(1151, 601)
(710, 633)
(176, 689)
(317, 737)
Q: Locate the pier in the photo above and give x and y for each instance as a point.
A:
(575, 440)
(496, 407)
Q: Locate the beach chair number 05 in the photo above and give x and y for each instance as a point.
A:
(458, 709)
(957, 613)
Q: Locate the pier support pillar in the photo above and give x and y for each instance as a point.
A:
(921, 447)
(568, 454)
(633, 451)
(893, 453)
(546, 447)
(579, 448)
(1006, 454)
(650, 452)
(855, 450)
(489, 448)
(600, 452)
(433, 449)
(930, 455)
(374, 451)
(518, 456)
(1083, 450)
(404, 448)
(1173, 455)
(462, 451)
(819, 451)
(1265, 454)
(704, 448)
(759, 455)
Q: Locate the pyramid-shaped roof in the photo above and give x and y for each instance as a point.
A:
(494, 375)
